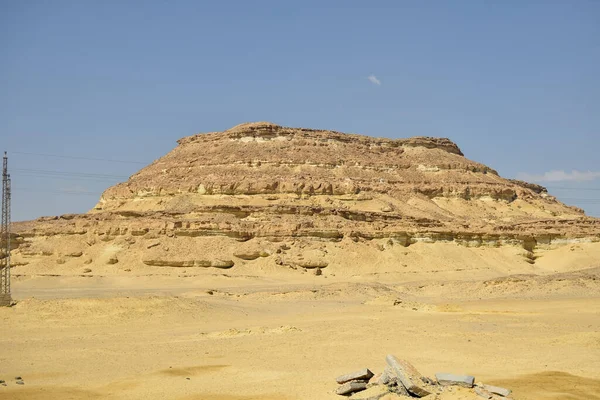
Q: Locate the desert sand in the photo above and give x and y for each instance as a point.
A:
(210, 335)
(262, 262)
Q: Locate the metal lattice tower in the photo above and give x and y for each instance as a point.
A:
(5, 297)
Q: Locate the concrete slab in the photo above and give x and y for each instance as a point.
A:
(483, 393)
(446, 379)
(497, 390)
(408, 376)
(351, 387)
(363, 375)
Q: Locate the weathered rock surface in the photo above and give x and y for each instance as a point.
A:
(113, 260)
(259, 182)
(249, 255)
(190, 263)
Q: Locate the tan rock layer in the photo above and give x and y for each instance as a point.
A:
(266, 181)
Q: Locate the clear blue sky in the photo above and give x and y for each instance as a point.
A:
(515, 83)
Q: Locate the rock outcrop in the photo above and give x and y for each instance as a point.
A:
(242, 195)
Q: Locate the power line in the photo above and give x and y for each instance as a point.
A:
(582, 201)
(570, 188)
(68, 173)
(68, 178)
(80, 158)
(65, 192)
(146, 163)
(579, 198)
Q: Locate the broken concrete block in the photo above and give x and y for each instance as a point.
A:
(427, 380)
(362, 375)
(445, 379)
(483, 393)
(387, 377)
(351, 387)
(407, 375)
(497, 390)
(375, 379)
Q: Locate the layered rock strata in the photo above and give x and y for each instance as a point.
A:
(240, 195)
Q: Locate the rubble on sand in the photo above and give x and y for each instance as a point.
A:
(400, 379)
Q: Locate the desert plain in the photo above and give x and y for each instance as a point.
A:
(191, 282)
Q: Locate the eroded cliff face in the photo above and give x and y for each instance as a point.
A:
(263, 158)
(264, 192)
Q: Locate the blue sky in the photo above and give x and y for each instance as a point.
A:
(514, 83)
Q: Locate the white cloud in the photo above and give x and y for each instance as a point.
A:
(560, 176)
(374, 80)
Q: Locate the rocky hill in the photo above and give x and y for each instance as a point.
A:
(299, 198)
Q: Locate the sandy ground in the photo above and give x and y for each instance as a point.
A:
(216, 336)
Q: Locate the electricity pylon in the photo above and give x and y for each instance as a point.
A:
(5, 298)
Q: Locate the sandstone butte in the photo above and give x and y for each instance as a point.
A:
(289, 197)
